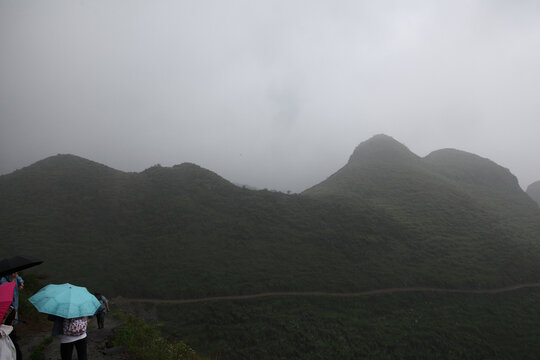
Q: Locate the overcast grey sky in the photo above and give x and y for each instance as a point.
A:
(274, 94)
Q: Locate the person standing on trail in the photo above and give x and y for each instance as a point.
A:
(103, 308)
(72, 333)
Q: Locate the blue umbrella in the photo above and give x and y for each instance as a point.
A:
(65, 300)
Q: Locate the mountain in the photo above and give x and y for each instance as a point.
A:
(388, 218)
(450, 198)
(533, 191)
(448, 189)
(178, 231)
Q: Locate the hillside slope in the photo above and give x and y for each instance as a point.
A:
(463, 208)
(533, 191)
(181, 231)
(447, 191)
(387, 219)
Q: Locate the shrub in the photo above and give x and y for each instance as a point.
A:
(144, 341)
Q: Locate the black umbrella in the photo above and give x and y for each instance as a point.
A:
(17, 263)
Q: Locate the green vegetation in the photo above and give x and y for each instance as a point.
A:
(401, 326)
(448, 192)
(27, 311)
(387, 219)
(144, 341)
(37, 354)
(32, 284)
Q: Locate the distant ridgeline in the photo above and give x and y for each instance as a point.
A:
(534, 191)
(388, 218)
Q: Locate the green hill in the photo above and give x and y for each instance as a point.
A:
(451, 189)
(388, 218)
(533, 191)
(447, 192)
(180, 231)
(463, 208)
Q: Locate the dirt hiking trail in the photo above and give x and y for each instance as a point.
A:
(121, 299)
(32, 335)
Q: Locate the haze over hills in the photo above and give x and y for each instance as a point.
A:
(388, 218)
(533, 191)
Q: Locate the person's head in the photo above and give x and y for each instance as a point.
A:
(10, 276)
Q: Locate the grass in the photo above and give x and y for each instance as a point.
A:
(37, 354)
(144, 341)
(400, 326)
(185, 232)
(32, 284)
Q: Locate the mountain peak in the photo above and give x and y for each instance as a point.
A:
(63, 159)
(383, 148)
(187, 175)
(472, 169)
(62, 164)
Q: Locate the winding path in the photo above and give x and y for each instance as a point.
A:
(332, 294)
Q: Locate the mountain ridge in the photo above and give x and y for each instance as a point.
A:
(389, 224)
(391, 149)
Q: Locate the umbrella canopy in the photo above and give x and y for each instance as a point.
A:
(17, 263)
(65, 300)
(6, 297)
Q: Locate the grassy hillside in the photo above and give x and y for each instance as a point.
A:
(463, 208)
(180, 231)
(449, 190)
(400, 326)
(388, 218)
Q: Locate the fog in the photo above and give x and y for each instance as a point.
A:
(271, 94)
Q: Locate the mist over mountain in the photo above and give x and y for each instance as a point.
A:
(387, 218)
(260, 116)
